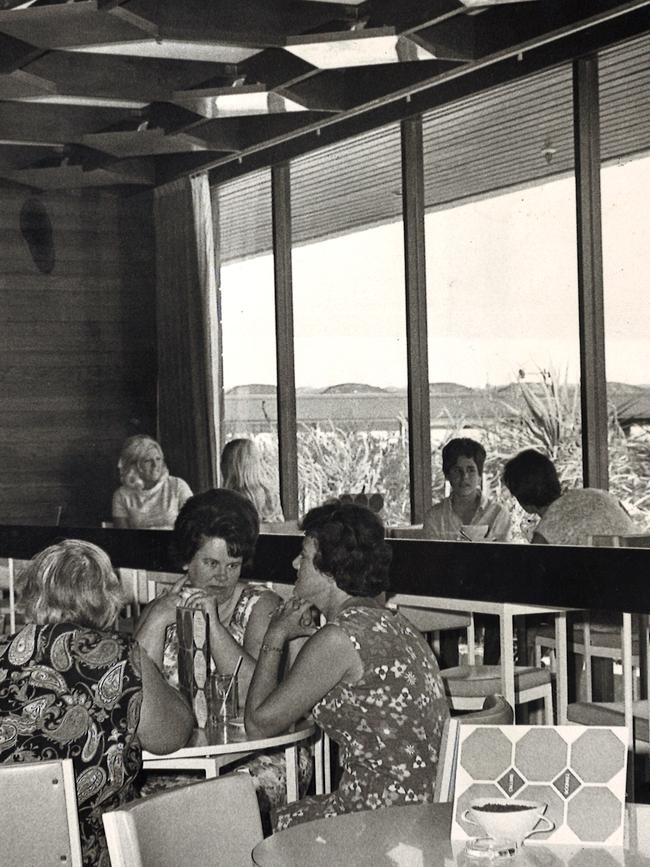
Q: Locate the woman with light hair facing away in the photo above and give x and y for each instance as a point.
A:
(242, 470)
(72, 687)
(149, 498)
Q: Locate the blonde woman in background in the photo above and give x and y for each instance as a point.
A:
(148, 498)
(242, 470)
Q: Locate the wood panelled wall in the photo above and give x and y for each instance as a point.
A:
(77, 355)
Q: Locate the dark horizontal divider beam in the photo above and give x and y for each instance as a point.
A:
(612, 579)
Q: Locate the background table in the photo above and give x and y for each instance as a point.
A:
(418, 836)
(506, 612)
(211, 749)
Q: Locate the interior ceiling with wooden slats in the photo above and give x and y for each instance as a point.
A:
(137, 92)
(515, 134)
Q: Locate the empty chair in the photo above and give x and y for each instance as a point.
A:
(203, 824)
(38, 806)
(467, 686)
(495, 711)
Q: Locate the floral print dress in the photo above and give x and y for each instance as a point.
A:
(388, 725)
(71, 692)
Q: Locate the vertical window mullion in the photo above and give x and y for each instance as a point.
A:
(286, 391)
(416, 318)
(593, 387)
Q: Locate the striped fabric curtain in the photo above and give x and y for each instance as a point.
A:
(186, 313)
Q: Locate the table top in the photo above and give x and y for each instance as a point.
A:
(418, 836)
(223, 740)
(476, 606)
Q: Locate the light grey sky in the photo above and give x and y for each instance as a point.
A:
(501, 277)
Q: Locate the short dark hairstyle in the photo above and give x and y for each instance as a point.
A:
(350, 547)
(217, 513)
(532, 479)
(462, 447)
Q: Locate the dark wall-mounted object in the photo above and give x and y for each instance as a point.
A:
(36, 229)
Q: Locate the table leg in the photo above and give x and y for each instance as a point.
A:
(562, 670)
(291, 759)
(471, 641)
(507, 658)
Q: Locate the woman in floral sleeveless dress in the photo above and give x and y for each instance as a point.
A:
(369, 678)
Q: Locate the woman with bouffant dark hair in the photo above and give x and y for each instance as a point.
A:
(369, 679)
(350, 547)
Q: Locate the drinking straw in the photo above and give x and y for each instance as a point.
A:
(233, 677)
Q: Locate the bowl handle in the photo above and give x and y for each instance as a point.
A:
(536, 830)
(465, 818)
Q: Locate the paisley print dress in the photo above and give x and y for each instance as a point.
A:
(388, 725)
(71, 692)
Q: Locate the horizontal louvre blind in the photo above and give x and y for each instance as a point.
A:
(473, 147)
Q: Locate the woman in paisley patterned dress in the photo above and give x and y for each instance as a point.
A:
(214, 540)
(370, 680)
(72, 688)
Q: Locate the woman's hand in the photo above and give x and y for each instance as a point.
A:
(207, 603)
(162, 609)
(292, 619)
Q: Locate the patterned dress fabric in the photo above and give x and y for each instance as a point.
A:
(71, 692)
(248, 599)
(267, 770)
(581, 513)
(388, 725)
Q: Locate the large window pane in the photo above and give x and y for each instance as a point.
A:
(625, 180)
(243, 213)
(350, 323)
(502, 278)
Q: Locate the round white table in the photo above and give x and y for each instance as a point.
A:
(418, 836)
(212, 748)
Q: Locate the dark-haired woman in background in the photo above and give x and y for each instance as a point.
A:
(467, 506)
(370, 680)
(568, 518)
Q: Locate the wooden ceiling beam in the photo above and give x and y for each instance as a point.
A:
(142, 79)
(54, 124)
(366, 83)
(68, 25)
(236, 134)
(324, 92)
(275, 67)
(411, 15)
(510, 67)
(14, 53)
(23, 85)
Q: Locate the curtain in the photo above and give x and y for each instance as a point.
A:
(186, 317)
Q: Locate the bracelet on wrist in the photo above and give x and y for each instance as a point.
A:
(271, 648)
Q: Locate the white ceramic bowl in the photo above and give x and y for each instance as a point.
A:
(509, 819)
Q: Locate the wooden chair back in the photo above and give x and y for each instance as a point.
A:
(203, 824)
(38, 806)
(495, 711)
